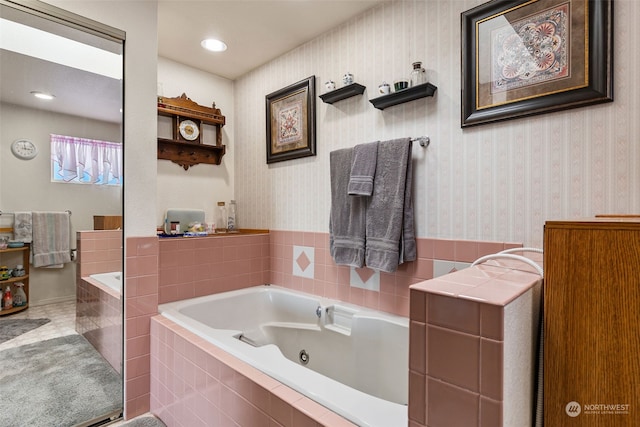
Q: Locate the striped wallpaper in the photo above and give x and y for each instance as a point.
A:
(493, 182)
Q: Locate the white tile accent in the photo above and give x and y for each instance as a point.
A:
(307, 252)
(372, 284)
(441, 267)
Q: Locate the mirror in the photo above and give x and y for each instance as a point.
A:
(71, 330)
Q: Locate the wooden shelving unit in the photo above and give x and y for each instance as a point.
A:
(342, 93)
(11, 257)
(406, 95)
(188, 153)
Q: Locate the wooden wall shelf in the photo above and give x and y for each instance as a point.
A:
(406, 95)
(343, 93)
(190, 152)
(186, 154)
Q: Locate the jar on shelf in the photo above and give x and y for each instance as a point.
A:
(231, 222)
(418, 75)
(221, 218)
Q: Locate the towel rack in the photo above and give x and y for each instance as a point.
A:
(12, 213)
(422, 140)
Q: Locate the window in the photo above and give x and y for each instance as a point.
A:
(85, 161)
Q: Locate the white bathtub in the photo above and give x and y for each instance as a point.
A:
(111, 280)
(357, 358)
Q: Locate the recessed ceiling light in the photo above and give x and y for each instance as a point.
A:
(214, 45)
(41, 95)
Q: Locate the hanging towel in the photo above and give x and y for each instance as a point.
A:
(363, 169)
(347, 215)
(50, 238)
(390, 236)
(22, 227)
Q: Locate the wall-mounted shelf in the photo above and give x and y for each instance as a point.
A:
(343, 93)
(185, 147)
(187, 154)
(406, 95)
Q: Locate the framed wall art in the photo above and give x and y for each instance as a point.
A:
(291, 121)
(526, 57)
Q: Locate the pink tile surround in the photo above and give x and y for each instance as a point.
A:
(98, 308)
(99, 320)
(457, 346)
(195, 384)
(158, 272)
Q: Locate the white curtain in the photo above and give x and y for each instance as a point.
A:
(87, 160)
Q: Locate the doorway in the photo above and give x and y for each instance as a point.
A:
(37, 45)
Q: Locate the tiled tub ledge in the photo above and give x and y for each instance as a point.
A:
(195, 383)
(474, 346)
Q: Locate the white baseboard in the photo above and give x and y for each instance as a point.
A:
(48, 301)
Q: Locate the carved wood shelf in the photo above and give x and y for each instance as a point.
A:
(184, 152)
(406, 95)
(342, 93)
(188, 154)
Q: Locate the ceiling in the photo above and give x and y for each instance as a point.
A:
(256, 31)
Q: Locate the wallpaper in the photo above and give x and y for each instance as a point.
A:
(496, 182)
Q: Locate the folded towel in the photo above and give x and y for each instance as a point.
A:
(363, 169)
(390, 236)
(50, 238)
(347, 215)
(22, 227)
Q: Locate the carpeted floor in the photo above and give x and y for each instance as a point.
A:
(11, 328)
(56, 383)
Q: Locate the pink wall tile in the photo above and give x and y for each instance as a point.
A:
(225, 392)
(453, 357)
(458, 314)
(449, 405)
(167, 270)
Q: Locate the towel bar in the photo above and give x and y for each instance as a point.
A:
(422, 140)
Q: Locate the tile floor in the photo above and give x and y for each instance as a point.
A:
(63, 322)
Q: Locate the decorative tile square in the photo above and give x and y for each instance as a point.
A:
(441, 267)
(303, 261)
(365, 278)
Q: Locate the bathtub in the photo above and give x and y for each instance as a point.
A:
(112, 280)
(347, 358)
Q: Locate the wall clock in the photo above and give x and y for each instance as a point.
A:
(24, 149)
(189, 130)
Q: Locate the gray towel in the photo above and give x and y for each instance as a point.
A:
(347, 216)
(50, 239)
(390, 236)
(363, 169)
(22, 227)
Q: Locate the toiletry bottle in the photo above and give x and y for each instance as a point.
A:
(19, 298)
(7, 298)
(221, 218)
(231, 222)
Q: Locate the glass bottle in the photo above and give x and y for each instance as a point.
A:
(418, 74)
(231, 222)
(221, 218)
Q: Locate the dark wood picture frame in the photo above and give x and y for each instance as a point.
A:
(291, 121)
(506, 74)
